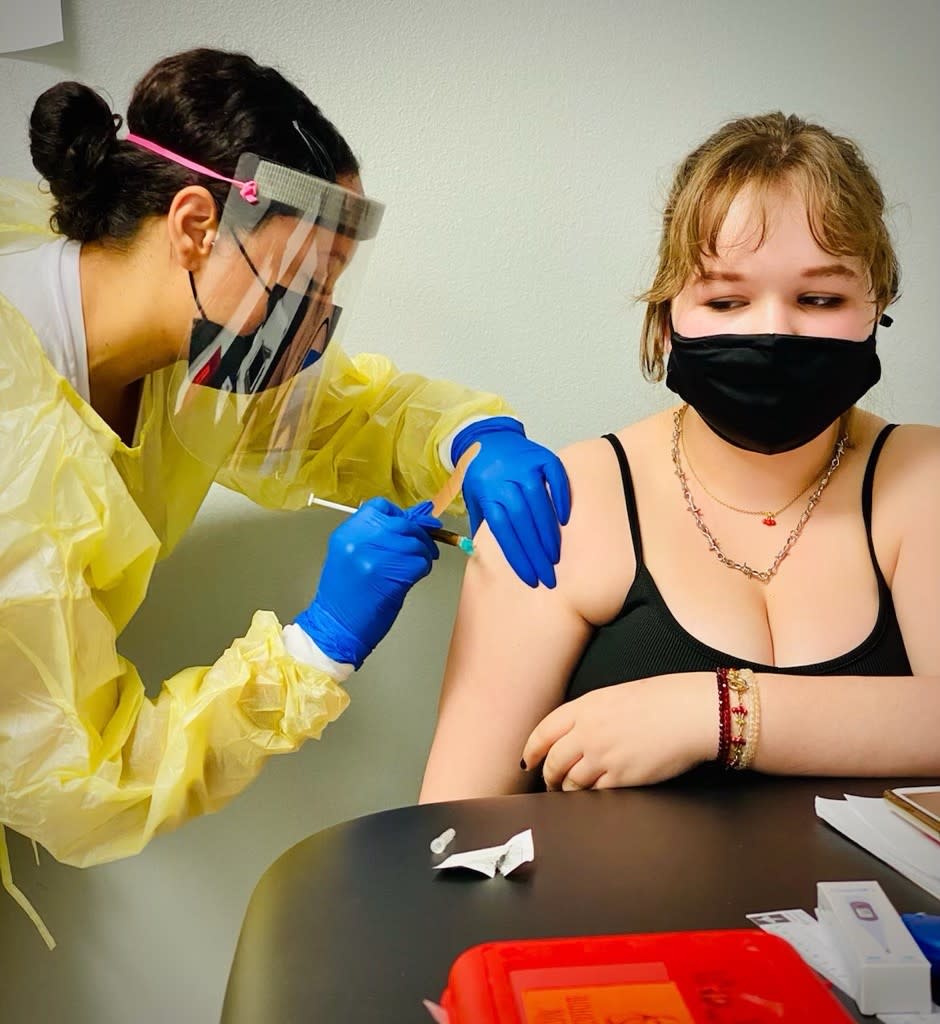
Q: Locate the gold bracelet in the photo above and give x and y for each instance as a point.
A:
(738, 686)
(753, 725)
(745, 718)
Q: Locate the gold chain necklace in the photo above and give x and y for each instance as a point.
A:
(768, 574)
(768, 518)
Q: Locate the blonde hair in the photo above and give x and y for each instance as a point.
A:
(844, 202)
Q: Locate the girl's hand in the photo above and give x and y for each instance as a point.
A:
(632, 734)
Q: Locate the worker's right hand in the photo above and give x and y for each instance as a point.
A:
(372, 561)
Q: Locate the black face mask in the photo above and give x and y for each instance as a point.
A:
(266, 356)
(771, 393)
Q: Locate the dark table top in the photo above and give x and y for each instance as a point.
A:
(353, 926)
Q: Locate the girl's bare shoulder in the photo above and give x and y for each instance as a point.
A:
(597, 558)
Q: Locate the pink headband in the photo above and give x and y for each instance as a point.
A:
(247, 189)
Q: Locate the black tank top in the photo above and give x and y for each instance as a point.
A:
(645, 639)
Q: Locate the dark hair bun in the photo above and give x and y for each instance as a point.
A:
(72, 133)
(208, 105)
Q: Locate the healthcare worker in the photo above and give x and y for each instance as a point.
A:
(181, 327)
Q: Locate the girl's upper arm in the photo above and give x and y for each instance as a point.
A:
(511, 654)
(513, 648)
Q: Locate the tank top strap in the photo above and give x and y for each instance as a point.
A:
(629, 496)
(868, 486)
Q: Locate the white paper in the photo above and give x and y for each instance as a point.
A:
(809, 939)
(910, 843)
(25, 24)
(505, 859)
(845, 817)
(817, 947)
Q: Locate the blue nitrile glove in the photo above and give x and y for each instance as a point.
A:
(508, 485)
(372, 561)
(926, 931)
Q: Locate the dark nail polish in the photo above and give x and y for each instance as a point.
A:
(523, 765)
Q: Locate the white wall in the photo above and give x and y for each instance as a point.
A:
(522, 149)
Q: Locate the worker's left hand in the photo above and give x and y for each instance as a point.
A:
(521, 490)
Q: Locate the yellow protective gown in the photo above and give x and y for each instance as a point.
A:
(90, 768)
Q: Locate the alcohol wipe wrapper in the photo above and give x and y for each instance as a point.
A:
(504, 859)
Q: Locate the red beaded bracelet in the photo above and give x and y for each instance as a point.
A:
(724, 716)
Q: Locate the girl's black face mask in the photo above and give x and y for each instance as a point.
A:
(771, 393)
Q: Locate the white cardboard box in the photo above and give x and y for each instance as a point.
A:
(889, 973)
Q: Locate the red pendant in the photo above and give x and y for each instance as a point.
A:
(769, 520)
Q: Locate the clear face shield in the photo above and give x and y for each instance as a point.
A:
(272, 297)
